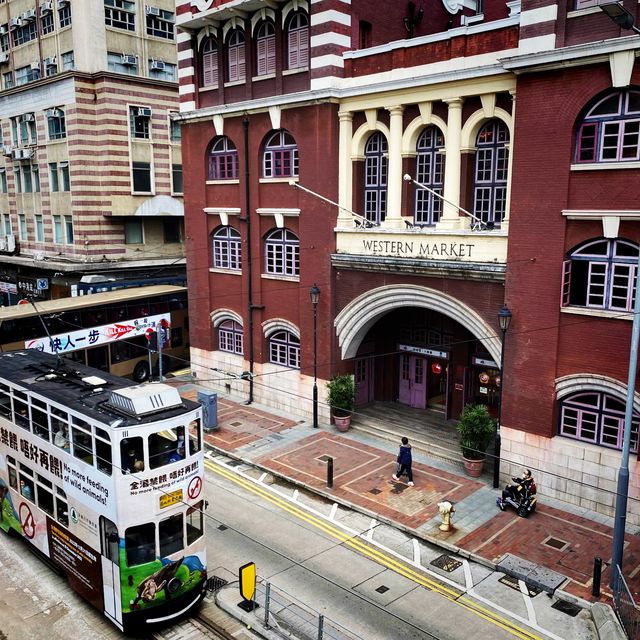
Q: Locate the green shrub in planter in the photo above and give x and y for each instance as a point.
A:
(477, 430)
(342, 395)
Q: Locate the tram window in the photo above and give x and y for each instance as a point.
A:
(40, 423)
(45, 499)
(195, 432)
(26, 487)
(166, 446)
(171, 534)
(194, 522)
(140, 544)
(13, 474)
(62, 511)
(82, 445)
(5, 404)
(131, 455)
(103, 456)
(21, 414)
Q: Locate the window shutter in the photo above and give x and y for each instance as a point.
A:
(293, 50)
(233, 64)
(271, 54)
(262, 56)
(210, 69)
(566, 283)
(303, 47)
(241, 63)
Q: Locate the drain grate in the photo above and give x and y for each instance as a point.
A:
(512, 582)
(567, 607)
(233, 463)
(375, 491)
(382, 589)
(223, 527)
(446, 563)
(236, 424)
(555, 543)
(214, 583)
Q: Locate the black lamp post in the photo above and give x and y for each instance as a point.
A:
(504, 318)
(315, 296)
(621, 16)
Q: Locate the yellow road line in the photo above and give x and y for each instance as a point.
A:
(375, 554)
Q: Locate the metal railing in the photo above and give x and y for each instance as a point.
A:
(625, 606)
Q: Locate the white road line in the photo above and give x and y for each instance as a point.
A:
(527, 602)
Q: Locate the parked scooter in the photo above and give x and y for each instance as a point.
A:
(521, 495)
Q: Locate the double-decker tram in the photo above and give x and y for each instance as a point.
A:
(105, 478)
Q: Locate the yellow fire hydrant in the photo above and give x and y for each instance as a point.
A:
(446, 509)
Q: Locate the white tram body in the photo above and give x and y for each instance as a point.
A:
(106, 478)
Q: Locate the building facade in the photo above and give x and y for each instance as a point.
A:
(91, 173)
(423, 164)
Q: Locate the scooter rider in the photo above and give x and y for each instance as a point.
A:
(519, 490)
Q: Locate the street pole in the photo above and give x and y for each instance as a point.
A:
(504, 317)
(623, 473)
(315, 297)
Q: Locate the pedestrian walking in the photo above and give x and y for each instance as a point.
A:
(404, 462)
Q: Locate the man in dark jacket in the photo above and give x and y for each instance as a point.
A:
(404, 462)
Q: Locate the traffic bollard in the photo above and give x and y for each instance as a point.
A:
(597, 573)
(329, 472)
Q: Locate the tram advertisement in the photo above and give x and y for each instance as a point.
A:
(80, 562)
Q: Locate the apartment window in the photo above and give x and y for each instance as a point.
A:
(140, 122)
(64, 16)
(22, 226)
(298, 41)
(68, 229)
(57, 229)
(430, 173)
(39, 223)
(223, 160)
(491, 172)
(230, 337)
(141, 177)
(176, 178)
(236, 69)
(119, 63)
(68, 61)
(601, 275)
(175, 130)
(266, 49)
(172, 231)
(26, 74)
(597, 418)
(25, 33)
(280, 158)
(46, 23)
(3, 181)
(161, 70)
(4, 41)
(35, 171)
(162, 25)
(17, 173)
(210, 63)
(57, 124)
(282, 253)
(120, 14)
(284, 349)
(53, 176)
(6, 223)
(376, 165)
(364, 34)
(133, 232)
(28, 182)
(23, 129)
(64, 176)
(226, 249)
(50, 69)
(8, 80)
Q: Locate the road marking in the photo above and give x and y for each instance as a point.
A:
(384, 558)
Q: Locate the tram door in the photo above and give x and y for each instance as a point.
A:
(110, 569)
(413, 387)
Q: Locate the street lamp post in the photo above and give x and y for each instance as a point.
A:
(504, 318)
(315, 296)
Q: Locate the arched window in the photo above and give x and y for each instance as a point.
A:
(375, 178)
(298, 41)
(284, 349)
(235, 56)
(210, 63)
(430, 173)
(223, 160)
(601, 275)
(280, 159)
(266, 49)
(230, 337)
(598, 418)
(491, 172)
(226, 249)
(610, 132)
(282, 253)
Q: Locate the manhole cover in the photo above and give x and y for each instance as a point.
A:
(223, 527)
(382, 589)
(324, 458)
(234, 463)
(556, 543)
(214, 583)
(236, 424)
(567, 607)
(375, 491)
(512, 582)
(446, 563)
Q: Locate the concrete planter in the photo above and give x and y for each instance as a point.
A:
(342, 422)
(474, 467)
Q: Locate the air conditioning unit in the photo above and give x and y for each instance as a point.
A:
(4, 28)
(38, 255)
(7, 150)
(129, 60)
(27, 117)
(53, 113)
(14, 23)
(3, 243)
(157, 65)
(152, 11)
(29, 16)
(63, 3)
(21, 153)
(51, 61)
(10, 242)
(46, 7)
(35, 65)
(4, 58)
(144, 111)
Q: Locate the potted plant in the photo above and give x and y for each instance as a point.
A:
(341, 399)
(477, 430)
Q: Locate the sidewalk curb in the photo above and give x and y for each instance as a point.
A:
(606, 622)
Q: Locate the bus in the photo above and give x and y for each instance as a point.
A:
(105, 477)
(107, 331)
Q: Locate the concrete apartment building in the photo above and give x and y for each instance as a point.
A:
(516, 124)
(91, 168)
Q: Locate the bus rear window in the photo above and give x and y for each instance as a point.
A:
(140, 544)
(194, 522)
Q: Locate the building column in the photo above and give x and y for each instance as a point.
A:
(507, 209)
(393, 218)
(345, 170)
(451, 218)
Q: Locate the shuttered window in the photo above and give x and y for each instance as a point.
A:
(298, 41)
(237, 67)
(210, 64)
(266, 49)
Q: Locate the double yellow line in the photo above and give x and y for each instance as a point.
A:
(375, 554)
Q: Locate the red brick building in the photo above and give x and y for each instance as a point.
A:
(423, 164)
